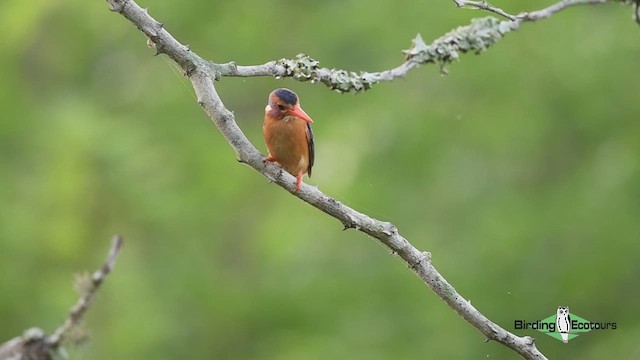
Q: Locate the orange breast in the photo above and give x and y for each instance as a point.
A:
(286, 141)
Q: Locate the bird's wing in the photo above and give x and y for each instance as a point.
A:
(312, 147)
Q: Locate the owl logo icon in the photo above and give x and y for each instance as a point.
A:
(563, 322)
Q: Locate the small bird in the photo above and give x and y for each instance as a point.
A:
(288, 135)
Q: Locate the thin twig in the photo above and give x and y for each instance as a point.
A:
(89, 292)
(526, 16)
(552, 9)
(34, 344)
(483, 5)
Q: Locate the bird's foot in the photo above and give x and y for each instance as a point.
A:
(298, 182)
(269, 159)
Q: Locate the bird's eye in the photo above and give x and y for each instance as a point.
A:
(281, 107)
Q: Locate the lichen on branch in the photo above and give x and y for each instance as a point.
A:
(305, 68)
(476, 37)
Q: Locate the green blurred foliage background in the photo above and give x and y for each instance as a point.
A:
(519, 171)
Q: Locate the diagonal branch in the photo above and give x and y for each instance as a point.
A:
(203, 74)
(476, 37)
(89, 290)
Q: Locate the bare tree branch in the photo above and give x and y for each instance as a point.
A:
(34, 344)
(483, 5)
(552, 9)
(88, 289)
(476, 37)
(527, 16)
(546, 12)
(304, 68)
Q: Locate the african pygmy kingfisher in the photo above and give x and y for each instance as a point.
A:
(288, 135)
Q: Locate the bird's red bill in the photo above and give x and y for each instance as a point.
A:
(297, 111)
